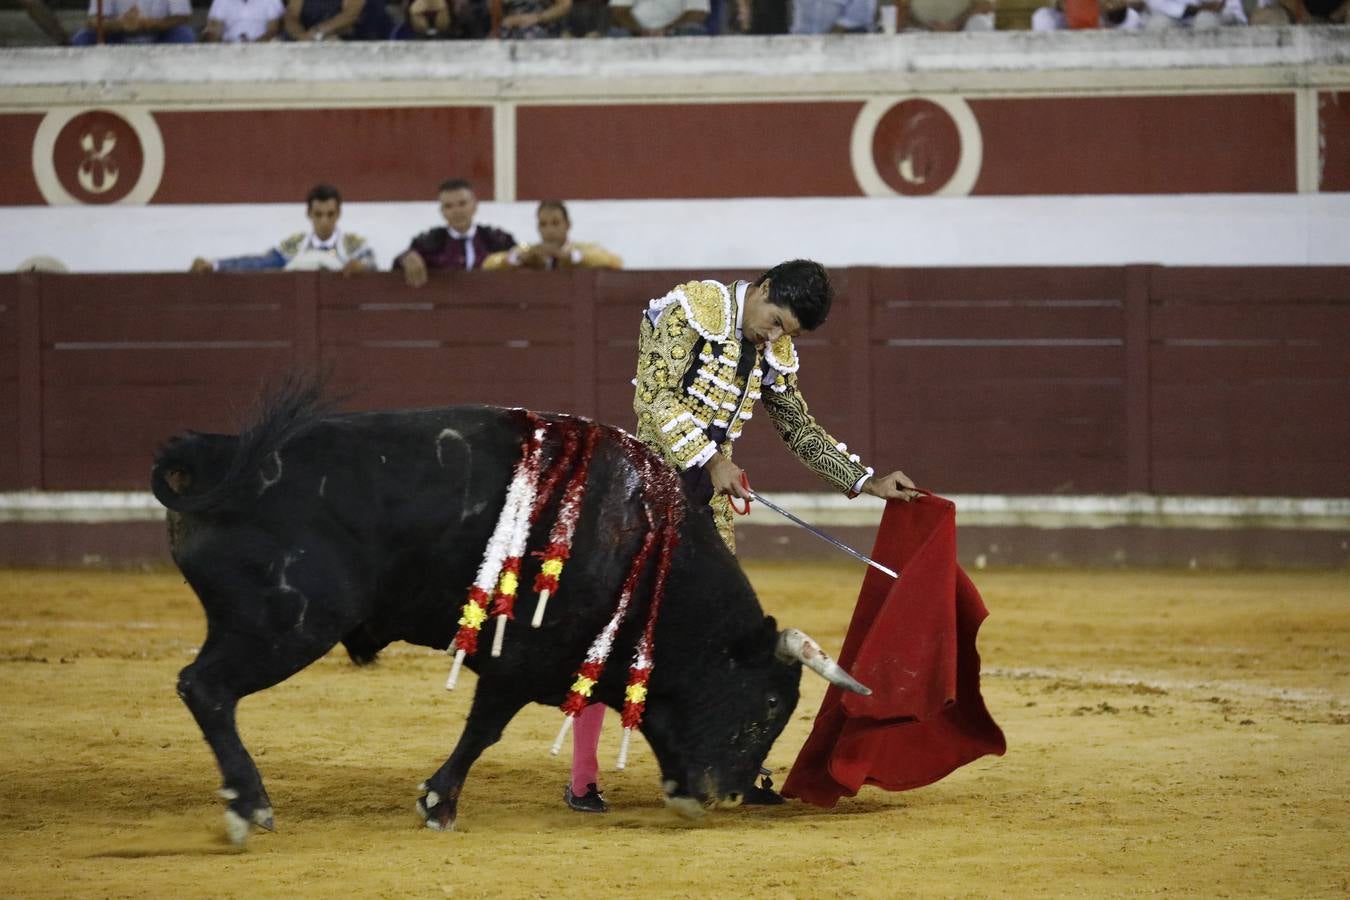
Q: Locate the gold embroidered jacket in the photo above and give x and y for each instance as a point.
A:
(695, 326)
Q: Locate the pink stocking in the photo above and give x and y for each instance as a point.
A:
(585, 742)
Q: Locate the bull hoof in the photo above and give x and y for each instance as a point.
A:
(242, 815)
(437, 813)
(236, 828)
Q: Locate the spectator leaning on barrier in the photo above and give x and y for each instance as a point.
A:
(658, 18)
(325, 246)
(243, 21)
(944, 15)
(554, 250)
(461, 244)
(138, 22)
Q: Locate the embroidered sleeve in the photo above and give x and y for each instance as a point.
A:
(358, 250)
(808, 441)
(593, 256)
(666, 349)
(504, 259)
(290, 245)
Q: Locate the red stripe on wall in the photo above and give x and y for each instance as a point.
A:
(1231, 143)
(1333, 131)
(1223, 143)
(274, 156)
(19, 187)
(678, 150)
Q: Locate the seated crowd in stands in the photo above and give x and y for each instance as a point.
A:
(461, 243)
(167, 21)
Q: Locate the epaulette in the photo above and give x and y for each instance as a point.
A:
(291, 245)
(707, 305)
(352, 242)
(782, 355)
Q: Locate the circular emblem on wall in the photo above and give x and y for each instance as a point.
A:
(98, 156)
(916, 146)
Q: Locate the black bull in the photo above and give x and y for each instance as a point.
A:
(312, 528)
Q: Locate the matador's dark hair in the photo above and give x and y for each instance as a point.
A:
(802, 286)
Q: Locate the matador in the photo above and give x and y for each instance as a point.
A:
(707, 352)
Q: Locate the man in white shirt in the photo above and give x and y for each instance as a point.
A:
(138, 22)
(658, 18)
(243, 21)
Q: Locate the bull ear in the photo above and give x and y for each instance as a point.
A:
(797, 646)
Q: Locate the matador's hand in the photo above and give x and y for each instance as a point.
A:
(895, 486)
(726, 477)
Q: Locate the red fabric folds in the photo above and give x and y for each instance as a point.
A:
(912, 641)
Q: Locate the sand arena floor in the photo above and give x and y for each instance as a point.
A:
(1180, 733)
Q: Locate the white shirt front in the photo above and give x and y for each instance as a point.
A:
(742, 287)
(660, 13)
(245, 20)
(316, 253)
(467, 238)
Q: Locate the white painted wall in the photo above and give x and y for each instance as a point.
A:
(1288, 229)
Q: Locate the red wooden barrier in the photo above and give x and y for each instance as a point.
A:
(998, 380)
(1251, 381)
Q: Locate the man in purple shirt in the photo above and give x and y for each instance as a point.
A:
(463, 244)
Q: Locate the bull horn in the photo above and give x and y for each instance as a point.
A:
(795, 645)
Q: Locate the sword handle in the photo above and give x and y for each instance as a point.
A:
(745, 483)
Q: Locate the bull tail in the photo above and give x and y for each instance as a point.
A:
(198, 473)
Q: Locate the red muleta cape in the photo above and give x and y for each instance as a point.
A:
(912, 641)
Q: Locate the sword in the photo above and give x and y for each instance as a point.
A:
(816, 531)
